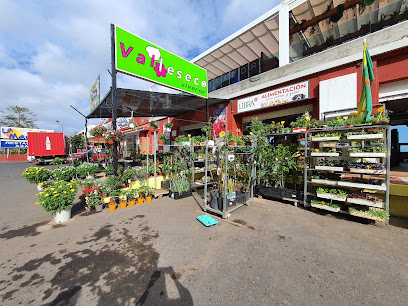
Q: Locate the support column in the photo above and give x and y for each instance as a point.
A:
(283, 35)
(113, 94)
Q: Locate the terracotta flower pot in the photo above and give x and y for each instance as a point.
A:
(112, 207)
(161, 142)
(110, 141)
(132, 202)
(148, 199)
(152, 129)
(140, 201)
(123, 204)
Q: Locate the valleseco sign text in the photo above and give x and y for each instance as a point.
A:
(140, 58)
(292, 93)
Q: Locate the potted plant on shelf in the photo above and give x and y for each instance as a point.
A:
(58, 199)
(168, 126)
(162, 139)
(154, 125)
(35, 175)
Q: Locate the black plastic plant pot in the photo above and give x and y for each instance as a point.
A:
(214, 200)
(220, 203)
(177, 195)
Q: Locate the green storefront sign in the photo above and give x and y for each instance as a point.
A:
(140, 58)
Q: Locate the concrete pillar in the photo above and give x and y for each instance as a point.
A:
(283, 35)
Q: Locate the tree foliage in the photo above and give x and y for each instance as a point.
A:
(77, 141)
(17, 116)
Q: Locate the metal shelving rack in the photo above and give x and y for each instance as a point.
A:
(224, 213)
(310, 143)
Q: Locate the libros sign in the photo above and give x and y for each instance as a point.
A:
(140, 58)
(292, 93)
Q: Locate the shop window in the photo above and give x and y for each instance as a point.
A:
(217, 83)
(254, 67)
(225, 79)
(233, 76)
(243, 72)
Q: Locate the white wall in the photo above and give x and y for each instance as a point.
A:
(338, 93)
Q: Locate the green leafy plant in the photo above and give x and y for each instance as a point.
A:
(36, 175)
(163, 137)
(168, 125)
(56, 161)
(98, 131)
(58, 197)
(64, 173)
(181, 139)
(86, 169)
(129, 174)
(180, 185)
(324, 203)
(370, 212)
(154, 124)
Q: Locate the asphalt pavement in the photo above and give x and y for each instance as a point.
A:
(159, 254)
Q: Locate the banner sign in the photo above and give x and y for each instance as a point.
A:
(140, 58)
(220, 122)
(95, 94)
(14, 144)
(292, 93)
(18, 133)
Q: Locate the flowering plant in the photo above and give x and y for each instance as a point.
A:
(36, 175)
(98, 130)
(85, 169)
(58, 197)
(64, 173)
(114, 135)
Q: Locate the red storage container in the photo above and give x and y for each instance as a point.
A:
(47, 144)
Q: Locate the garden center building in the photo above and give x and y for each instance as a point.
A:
(302, 55)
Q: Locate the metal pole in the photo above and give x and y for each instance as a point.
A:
(305, 169)
(387, 192)
(147, 158)
(86, 139)
(224, 204)
(113, 94)
(155, 163)
(206, 156)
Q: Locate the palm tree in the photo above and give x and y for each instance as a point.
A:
(17, 116)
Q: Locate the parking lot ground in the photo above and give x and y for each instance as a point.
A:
(159, 254)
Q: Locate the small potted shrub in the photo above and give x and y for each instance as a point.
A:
(147, 192)
(131, 196)
(58, 199)
(139, 195)
(114, 196)
(35, 175)
(162, 139)
(95, 200)
(123, 198)
(154, 125)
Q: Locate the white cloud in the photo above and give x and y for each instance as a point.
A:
(52, 52)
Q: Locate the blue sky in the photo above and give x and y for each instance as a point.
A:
(51, 52)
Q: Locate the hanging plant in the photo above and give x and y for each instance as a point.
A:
(114, 136)
(98, 131)
(339, 13)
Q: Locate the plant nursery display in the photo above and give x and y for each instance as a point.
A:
(64, 173)
(362, 166)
